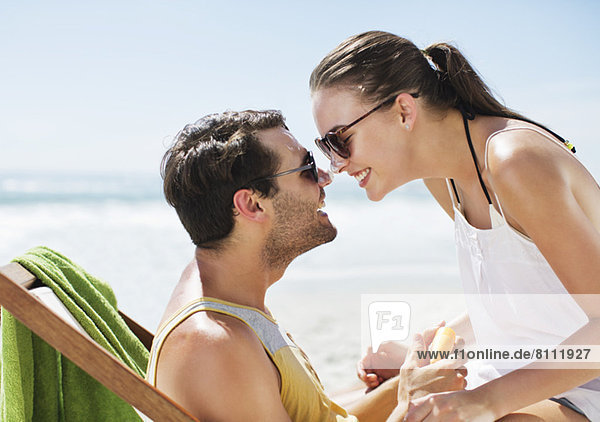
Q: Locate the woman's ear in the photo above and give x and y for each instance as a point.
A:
(406, 106)
(248, 204)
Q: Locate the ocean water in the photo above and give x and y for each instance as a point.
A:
(120, 228)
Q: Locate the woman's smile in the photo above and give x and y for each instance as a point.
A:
(362, 177)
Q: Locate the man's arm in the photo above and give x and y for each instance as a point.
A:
(215, 367)
(377, 404)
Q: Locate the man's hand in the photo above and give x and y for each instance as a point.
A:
(375, 368)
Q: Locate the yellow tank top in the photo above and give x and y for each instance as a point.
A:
(302, 393)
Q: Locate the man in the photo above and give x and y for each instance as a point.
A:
(250, 196)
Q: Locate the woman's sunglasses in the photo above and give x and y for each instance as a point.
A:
(332, 142)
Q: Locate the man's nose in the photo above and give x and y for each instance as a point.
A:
(325, 177)
(337, 163)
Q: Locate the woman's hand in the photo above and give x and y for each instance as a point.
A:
(375, 368)
(467, 405)
(418, 377)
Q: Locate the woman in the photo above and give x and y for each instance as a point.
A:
(524, 208)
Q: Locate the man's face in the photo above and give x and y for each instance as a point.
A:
(298, 224)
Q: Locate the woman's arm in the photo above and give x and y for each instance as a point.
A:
(515, 387)
(509, 393)
(536, 189)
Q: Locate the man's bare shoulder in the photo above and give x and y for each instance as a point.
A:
(215, 366)
(207, 339)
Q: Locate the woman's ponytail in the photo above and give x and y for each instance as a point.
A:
(460, 86)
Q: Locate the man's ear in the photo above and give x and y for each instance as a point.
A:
(249, 205)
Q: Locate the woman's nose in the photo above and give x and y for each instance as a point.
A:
(337, 163)
(325, 177)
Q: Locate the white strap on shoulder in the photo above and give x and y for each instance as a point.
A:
(453, 198)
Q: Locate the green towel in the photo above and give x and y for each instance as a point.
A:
(39, 384)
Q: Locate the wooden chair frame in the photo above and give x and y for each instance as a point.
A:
(15, 281)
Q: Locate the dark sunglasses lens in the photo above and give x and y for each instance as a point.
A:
(313, 167)
(337, 145)
(315, 172)
(322, 144)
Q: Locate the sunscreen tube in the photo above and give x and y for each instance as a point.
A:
(443, 341)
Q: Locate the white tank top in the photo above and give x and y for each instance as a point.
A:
(501, 270)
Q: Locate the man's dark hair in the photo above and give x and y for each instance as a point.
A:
(209, 161)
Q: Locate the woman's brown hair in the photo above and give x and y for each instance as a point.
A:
(379, 65)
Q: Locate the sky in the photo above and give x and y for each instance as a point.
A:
(105, 86)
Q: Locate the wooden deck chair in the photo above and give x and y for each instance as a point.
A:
(15, 283)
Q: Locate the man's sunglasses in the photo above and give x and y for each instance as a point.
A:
(314, 172)
(333, 142)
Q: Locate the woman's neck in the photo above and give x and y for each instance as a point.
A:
(443, 150)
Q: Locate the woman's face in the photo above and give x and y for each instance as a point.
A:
(377, 158)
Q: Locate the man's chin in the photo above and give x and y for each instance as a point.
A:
(334, 233)
(328, 234)
(327, 229)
